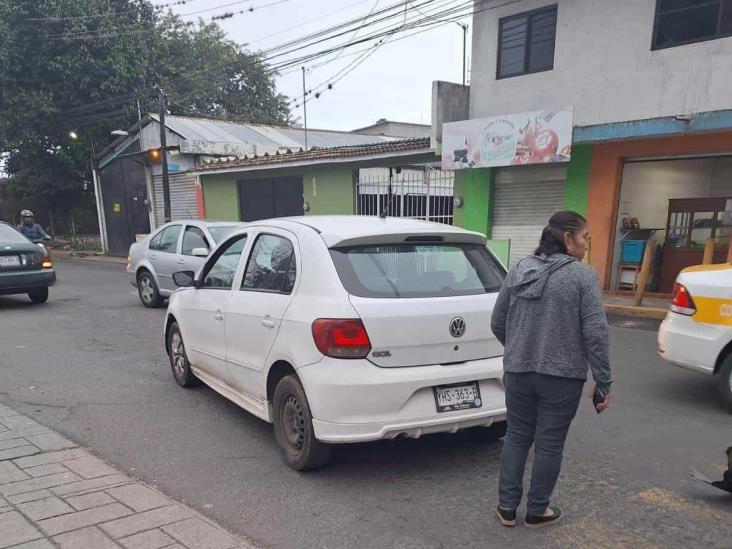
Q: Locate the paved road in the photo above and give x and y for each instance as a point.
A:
(90, 364)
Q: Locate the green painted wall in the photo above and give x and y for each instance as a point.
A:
(578, 179)
(221, 196)
(475, 186)
(327, 189)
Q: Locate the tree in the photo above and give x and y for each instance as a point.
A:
(67, 66)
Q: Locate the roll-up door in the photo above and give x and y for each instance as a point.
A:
(182, 197)
(524, 199)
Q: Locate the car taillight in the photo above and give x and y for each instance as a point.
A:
(682, 302)
(341, 338)
(46, 262)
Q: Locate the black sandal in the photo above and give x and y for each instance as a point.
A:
(537, 521)
(506, 516)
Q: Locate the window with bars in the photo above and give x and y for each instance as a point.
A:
(526, 42)
(680, 22)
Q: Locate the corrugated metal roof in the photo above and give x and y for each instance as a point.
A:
(316, 154)
(262, 139)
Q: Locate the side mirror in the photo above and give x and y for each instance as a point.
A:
(184, 279)
(199, 252)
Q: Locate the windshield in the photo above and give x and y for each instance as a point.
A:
(418, 270)
(9, 234)
(219, 232)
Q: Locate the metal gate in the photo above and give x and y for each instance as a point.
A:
(182, 197)
(525, 197)
(416, 192)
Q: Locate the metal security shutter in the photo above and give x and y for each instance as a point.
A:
(525, 198)
(182, 197)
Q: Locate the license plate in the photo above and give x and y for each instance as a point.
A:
(9, 261)
(458, 396)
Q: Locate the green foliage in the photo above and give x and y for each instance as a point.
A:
(52, 83)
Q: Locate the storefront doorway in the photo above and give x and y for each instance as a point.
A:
(679, 204)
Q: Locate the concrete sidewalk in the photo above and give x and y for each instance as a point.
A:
(652, 309)
(55, 494)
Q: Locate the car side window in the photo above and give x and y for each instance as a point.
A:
(155, 242)
(193, 238)
(220, 274)
(271, 266)
(166, 240)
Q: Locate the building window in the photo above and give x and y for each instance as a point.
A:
(680, 22)
(526, 42)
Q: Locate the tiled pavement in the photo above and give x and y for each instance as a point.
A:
(54, 494)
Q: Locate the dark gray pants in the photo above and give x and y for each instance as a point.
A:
(540, 410)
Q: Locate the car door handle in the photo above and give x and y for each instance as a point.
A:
(267, 323)
(219, 315)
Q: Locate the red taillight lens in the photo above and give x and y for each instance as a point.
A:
(682, 302)
(341, 338)
(47, 263)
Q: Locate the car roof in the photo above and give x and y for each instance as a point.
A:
(345, 229)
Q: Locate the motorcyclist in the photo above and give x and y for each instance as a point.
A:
(30, 229)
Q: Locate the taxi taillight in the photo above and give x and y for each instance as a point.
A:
(682, 302)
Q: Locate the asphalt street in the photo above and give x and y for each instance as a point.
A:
(91, 365)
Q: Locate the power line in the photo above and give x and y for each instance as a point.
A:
(125, 31)
(61, 18)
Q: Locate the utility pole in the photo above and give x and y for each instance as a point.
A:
(305, 108)
(465, 52)
(164, 158)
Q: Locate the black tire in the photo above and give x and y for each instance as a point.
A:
(179, 364)
(496, 430)
(725, 381)
(293, 427)
(39, 295)
(148, 291)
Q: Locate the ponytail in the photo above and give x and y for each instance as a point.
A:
(552, 237)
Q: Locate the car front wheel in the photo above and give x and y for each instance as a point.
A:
(38, 295)
(293, 427)
(179, 360)
(148, 290)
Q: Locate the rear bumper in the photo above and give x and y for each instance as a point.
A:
(356, 401)
(21, 282)
(690, 344)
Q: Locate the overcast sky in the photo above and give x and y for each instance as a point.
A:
(394, 83)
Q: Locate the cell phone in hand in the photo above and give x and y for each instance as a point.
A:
(598, 398)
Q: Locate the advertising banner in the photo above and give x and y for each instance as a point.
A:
(537, 137)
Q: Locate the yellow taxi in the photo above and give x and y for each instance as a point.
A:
(697, 332)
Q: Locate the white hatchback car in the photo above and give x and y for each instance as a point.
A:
(344, 329)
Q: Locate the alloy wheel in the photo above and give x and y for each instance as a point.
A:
(147, 291)
(179, 355)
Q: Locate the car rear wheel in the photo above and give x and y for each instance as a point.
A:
(179, 360)
(148, 290)
(725, 380)
(293, 427)
(38, 295)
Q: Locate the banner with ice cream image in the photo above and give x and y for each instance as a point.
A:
(538, 137)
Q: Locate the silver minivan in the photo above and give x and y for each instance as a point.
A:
(176, 246)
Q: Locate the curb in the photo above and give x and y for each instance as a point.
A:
(66, 256)
(652, 313)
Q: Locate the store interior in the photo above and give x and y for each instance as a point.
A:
(679, 204)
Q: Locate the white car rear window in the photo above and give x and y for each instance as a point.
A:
(418, 270)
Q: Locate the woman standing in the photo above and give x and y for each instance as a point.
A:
(550, 318)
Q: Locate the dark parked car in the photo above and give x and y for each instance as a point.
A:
(25, 267)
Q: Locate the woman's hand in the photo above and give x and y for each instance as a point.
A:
(601, 406)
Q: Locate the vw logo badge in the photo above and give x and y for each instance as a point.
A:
(457, 327)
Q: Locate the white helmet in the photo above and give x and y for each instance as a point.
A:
(26, 213)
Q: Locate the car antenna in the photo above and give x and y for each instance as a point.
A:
(382, 215)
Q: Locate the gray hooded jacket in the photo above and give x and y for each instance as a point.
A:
(550, 318)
